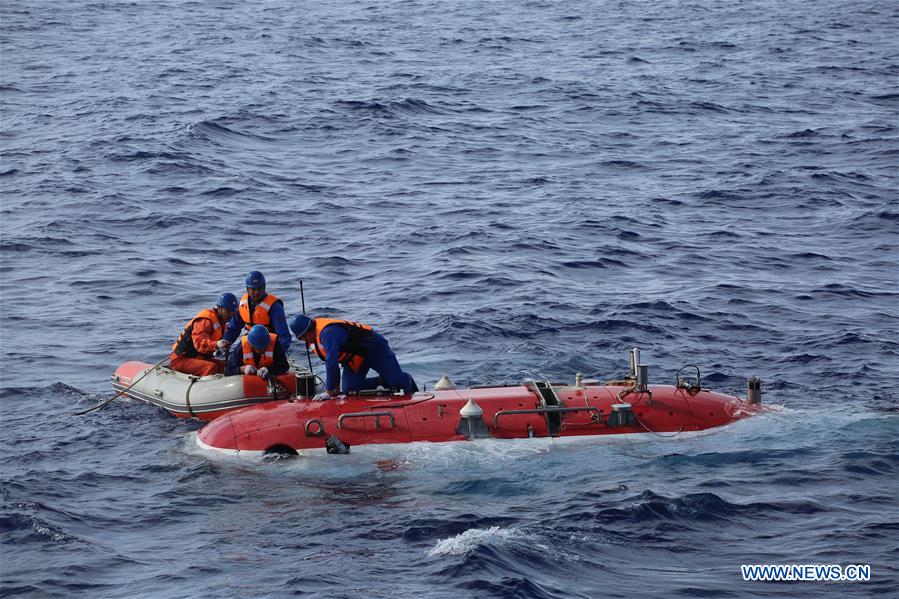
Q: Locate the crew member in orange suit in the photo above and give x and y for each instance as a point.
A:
(193, 352)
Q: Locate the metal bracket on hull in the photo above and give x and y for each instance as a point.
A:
(546, 411)
(375, 415)
(682, 383)
(548, 399)
(320, 428)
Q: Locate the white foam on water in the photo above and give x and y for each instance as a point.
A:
(504, 538)
(466, 542)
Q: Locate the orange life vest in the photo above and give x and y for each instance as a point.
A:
(184, 346)
(260, 312)
(266, 359)
(354, 352)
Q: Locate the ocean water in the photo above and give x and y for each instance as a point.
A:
(505, 189)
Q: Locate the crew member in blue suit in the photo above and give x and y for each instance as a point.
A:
(356, 347)
(258, 307)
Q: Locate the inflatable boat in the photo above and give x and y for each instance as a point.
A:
(189, 396)
(533, 409)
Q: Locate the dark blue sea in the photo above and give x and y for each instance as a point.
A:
(506, 190)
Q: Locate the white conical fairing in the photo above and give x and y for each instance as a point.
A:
(471, 410)
(444, 384)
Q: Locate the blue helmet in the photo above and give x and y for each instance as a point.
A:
(228, 301)
(300, 324)
(259, 337)
(255, 279)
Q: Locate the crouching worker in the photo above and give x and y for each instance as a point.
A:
(193, 352)
(258, 353)
(358, 348)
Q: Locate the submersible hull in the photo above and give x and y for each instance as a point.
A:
(530, 410)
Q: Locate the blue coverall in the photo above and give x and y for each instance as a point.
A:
(380, 358)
